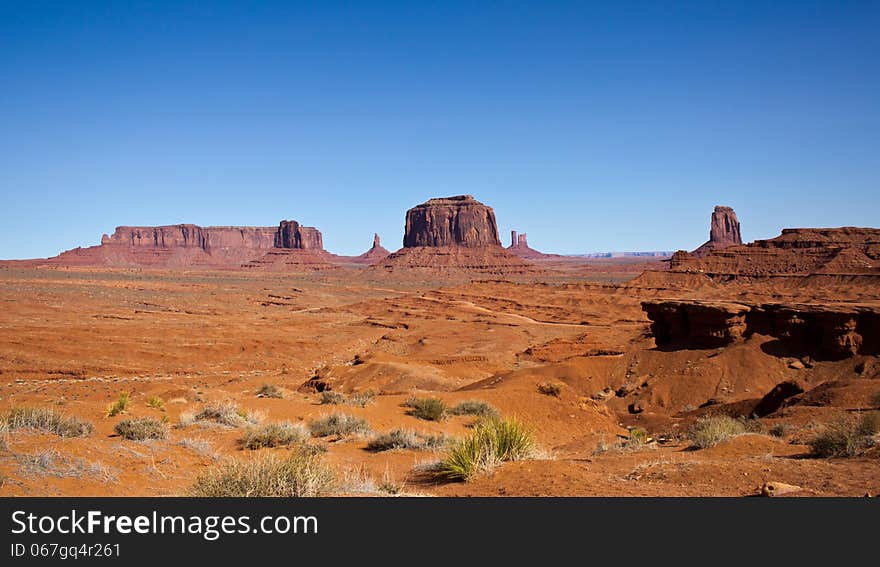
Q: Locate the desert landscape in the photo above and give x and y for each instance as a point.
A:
(168, 360)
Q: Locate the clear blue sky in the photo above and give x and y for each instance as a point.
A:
(590, 126)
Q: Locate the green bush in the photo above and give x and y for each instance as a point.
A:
(711, 430)
(274, 435)
(119, 406)
(46, 420)
(141, 429)
(405, 439)
(339, 424)
(847, 437)
(428, 409)
(492, 441)
(474, 407)
(299, 474)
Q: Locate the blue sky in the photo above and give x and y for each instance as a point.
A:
(590, 126)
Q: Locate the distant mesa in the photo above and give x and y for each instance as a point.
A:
(723, 231)
(849, 251)
(184, 245)
(454, 233)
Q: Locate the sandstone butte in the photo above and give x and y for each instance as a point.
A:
(723, 231)
(519, 245)
(453, 233)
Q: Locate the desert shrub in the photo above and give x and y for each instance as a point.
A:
(200, 446)
(405, 439)
(710, 430)
(339, 424)
(492, 441)
(330, 397)
(141, 428)
(844, 438)
(473, 407)
(429, 409)
(550, 389)
(361, 399)
(269, 391)
(297, 474)
(47, 420)
(274, 435)
(869, 423)
(779, 430)
(636, 439)
(119, 406)
(227, 413)
(4, 436)
(156, 402)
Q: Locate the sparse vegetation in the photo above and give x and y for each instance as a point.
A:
(4, 436)
(227, 413)
(156, 402)
(50, 462)
(200, 446)
(298, 474)
(492, 441)
(636, 439)
(330, 397)
(358, 399)
(428, 409)
(406, 439)
(46, 420)
(275, 435)
(550, 389)
(473, 407)
(269, 391)
(780, 430)
(141, 429)
(711, 430)
(119, 406)
(340, 424)
(846, 437)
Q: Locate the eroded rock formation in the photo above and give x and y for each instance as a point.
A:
(829, 331)
(797, 251)
(451, 221)
(291, 234)
(723, 231)
(376, 253)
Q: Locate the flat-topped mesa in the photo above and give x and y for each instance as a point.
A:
(723, 231)
(192, 236)
(291, 234)
(451, 221)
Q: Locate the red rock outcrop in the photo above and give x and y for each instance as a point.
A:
(519, 245)
(796, 252)
(823, 331)
(453, 234)
(174, 245)
(723, 231)
(451, 221)
(375, 254)
(291, 234)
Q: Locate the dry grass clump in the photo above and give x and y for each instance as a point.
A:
(141, 429)
(492, 442)
(428, 409)
(340, 424)
(46, 420)
(712, 430)
(275, 435)
(156, 402)
(636, 440)
(269, 391)
(406, 439)
(358, 399)
(226, 413)
(298, 474)
(550, 389)
(847, 437)
(473, 407)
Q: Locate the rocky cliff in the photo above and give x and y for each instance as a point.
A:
(796, 252)
(290, 234)
(823, 331)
